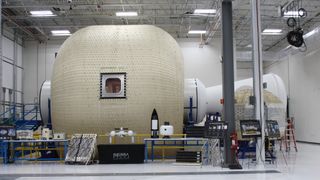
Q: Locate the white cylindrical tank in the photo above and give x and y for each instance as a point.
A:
(44, 100)
(207, 100)
(194, 91)
(107, 77)
(274, 84)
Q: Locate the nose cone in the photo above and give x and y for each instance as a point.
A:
(154, 114)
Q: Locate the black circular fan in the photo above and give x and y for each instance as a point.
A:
(295, 37)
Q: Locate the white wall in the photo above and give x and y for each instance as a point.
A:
(203, 63)
(38, 64)
(301, 75)
(7, 68)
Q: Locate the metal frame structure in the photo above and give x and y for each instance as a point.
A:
(174, 16)
(29, 116)
(174, 143)
(211, 153)
(18, 148)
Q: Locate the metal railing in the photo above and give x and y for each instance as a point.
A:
(20, 114)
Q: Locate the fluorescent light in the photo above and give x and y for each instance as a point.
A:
(42, 13)
(60, 33)
(126, 14)
(197, 32)
(272, 32)
(310, 33)
(290, 14)
(205, 11)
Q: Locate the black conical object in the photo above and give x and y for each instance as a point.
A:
(154, 124)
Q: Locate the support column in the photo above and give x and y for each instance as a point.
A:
(15, 60)
(257, 76)
(1, 76)
(228, 77)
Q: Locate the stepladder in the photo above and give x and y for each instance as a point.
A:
(288, 140)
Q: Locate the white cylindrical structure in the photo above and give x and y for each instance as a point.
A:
(44, 97)
(194, 91)
(208, 100)
(273, 82)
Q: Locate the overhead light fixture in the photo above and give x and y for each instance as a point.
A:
(44, 13)
(302, 12)
(272, 32)
(205, 11)
(60, 33)
(197, 32)
(291, 14)
(126, 14)
(299, 13)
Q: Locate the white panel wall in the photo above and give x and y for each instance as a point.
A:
(7, 70)
(30, 71)
(204, 63)
(7, 67)
(302, 76)
(7, 48)
(38, 64)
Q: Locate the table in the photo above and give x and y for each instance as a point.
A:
(32, 146)
(184, 142)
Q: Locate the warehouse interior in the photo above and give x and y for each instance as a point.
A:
(153, 89)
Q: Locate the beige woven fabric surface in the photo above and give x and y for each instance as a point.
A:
(154, 65)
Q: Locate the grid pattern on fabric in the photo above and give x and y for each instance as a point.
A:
(153, 64)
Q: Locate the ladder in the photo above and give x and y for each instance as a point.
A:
(289, 139)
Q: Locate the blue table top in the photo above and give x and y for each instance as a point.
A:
(175, 139)
(35, 140)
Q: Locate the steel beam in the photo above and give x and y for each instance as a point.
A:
(102, 16)
(15, 60)
(257, 76)
(228, 77)
(21, 28)
(94, 5)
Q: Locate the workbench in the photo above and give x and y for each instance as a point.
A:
(174, 143)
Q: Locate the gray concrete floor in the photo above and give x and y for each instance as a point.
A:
(302, 165)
